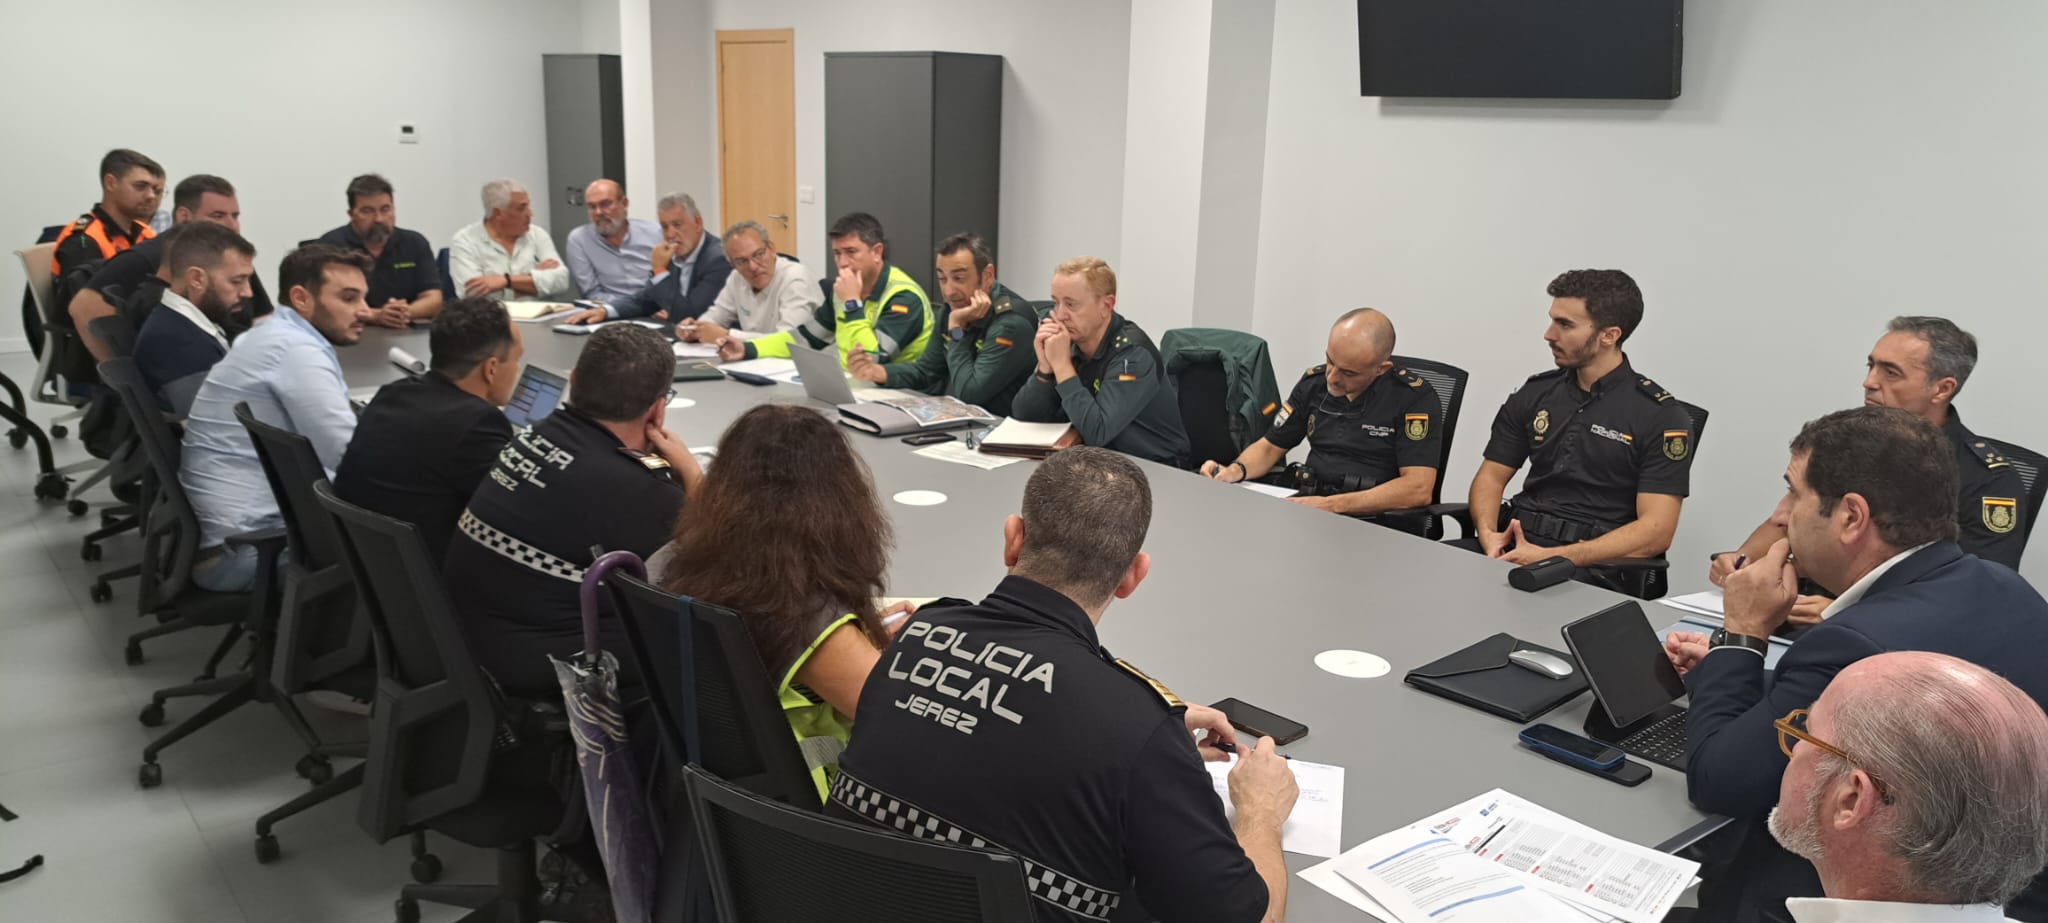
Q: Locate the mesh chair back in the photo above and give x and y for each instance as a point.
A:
(116, 333)
(1204, 390)
(319, 631)
(170, 533)
(1449, 383)
(845, 871)
(732, 722)
(435, 715)
(654, 623)
(1698, 416)
(2030, 464)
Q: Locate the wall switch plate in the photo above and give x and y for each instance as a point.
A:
(806, 195)
(408, 133)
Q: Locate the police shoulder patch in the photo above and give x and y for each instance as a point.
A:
(1652, 389)
(2001, 513)
(1165, 695)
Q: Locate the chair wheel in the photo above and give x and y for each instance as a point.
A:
(152, 715)
(315, 769)
(90, 551)
(267, 850)
(407, 911)
(133, 652)
(77, 508)
(17, 438)
(426, 869)
(52, 487)
(101, 592)
(150, 776)
(58, 431)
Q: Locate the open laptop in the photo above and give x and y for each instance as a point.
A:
(536, 395)
(821, 375)
(1635, 688)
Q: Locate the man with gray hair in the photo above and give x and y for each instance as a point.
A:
(765, 293)
(506, 256)
(1869, 509)
(611, 257)
(1919, 366)
(689, 270)
(1918, 788)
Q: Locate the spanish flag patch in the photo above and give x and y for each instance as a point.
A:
(1005, 341)
(1127, 377)
(1268, 411)
(899, 309)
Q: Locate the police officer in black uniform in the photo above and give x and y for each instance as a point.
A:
(1919, 366)
(1609, 451)
(1374, 431)
(1004, 724)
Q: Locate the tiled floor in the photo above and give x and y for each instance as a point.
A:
(70, 744)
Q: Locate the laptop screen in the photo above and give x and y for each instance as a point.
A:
(1624, 663)
(536, 396)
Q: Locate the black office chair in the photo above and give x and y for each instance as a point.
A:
(449, 293)
(166, 590)
(446, 752)
(2030, 465)
(316, 641)
(1202, 388)
(1449, 383)
(127, 468)
(769, 861)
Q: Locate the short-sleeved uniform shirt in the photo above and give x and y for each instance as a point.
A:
(1591, 453)
(1991, 510)
(419, 451)
(1005, 724)
(1396, 423)
(406, 269)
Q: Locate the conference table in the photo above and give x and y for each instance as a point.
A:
(1245, 590)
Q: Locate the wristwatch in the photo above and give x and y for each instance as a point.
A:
(852, 306)
(1722, 637)
(956, 334)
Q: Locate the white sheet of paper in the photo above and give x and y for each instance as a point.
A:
(1017, 432)
(1315, 828)
(1424, 878)
(1565, 858)
(1267, 489)
(533, 312)
(774, 367)
(881, 394)
(696, 350)
(1706, 602)
(958, 453)
(1324, 875)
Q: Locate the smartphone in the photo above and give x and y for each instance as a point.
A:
(1565, 746)
(928, 438)
(1259, 722)
(1627, 772)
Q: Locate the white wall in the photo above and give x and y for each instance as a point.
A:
(286, 100)
(1063, 108)
(1830, 164)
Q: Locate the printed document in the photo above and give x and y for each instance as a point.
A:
(1315, 827)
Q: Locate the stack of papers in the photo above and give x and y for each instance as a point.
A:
(1269, 490)
(778, 369)
(538, 310)
(958, 453)
(695, 350)
(1315, 828)
(1500, 857)
(1704, 603)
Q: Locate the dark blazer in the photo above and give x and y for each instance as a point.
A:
(706, 281)
(1939, 600)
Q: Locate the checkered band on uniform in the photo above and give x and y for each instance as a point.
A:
(1049, 885)
(517, 551)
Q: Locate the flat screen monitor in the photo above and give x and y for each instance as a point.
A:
(1545, 49)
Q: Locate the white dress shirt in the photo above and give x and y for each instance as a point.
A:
(1829, 910)
(191, 312)
(788, 300)
(1856, 590)
(473, 253)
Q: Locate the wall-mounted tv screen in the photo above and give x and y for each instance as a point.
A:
(1541, 49)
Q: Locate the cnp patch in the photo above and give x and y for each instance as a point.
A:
(1675, 444)
(1417, 426)
(1542, 424)
(2000, 514)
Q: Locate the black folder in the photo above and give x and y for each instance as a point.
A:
(1482, 677)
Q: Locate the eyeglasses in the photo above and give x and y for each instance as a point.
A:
(1792, 729)
(761, 257)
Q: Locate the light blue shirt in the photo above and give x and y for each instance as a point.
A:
(684, 266)
(288, 374)
(606, 273)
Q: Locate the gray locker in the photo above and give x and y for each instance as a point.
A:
(586, 123)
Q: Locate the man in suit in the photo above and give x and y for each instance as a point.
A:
(689, 269)
(209, 268)
(1870, 507)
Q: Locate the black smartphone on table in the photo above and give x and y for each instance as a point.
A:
(928, 438)
(1259, 722)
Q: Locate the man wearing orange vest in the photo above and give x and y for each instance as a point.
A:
(131, 186)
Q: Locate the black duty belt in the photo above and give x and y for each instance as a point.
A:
(1565, 531)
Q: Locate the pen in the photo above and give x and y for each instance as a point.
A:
(1481, 850)
(1740, 560)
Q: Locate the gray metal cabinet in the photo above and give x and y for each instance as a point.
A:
(915, 138)
(586, 122)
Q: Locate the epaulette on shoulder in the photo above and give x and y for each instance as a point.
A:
(1408, 378)
(1654, 390)
(1314, 371)
(1988, 455)
(84, 221)
(1547, 375)
(1165, 695)
(648, 460)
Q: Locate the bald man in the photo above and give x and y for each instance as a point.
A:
(611, 258)
(1918, 788)
(1374, 431)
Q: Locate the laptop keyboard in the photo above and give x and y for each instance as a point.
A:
(1662, 742)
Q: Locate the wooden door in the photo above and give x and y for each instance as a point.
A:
(757, 131)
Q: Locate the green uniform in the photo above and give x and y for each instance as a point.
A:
(894, 324)
(1118, 400)
(986, 365)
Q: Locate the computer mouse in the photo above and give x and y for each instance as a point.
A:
(1541, 662)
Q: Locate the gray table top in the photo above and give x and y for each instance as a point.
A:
(1244, 591)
